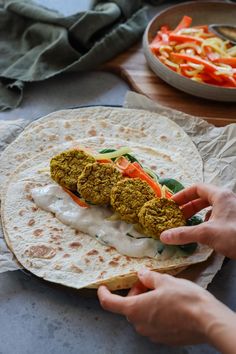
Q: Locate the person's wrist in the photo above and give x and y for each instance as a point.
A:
(216, 320)
(204, 314)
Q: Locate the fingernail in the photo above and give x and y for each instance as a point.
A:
(143, 272)
(165, 236)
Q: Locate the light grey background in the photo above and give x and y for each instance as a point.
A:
(40, 318)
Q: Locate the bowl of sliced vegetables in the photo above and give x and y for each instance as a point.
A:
(182, 50)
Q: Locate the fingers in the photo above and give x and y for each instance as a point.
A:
(150, 279)
(203, 191)
(112, 302)
(193, 207)
(181, 235)
(137, 289)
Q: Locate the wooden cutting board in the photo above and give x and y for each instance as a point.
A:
(132, 67)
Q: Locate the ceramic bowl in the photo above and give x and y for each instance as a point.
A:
(202, 12)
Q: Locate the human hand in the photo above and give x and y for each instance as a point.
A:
(174, 312)
(219, 229)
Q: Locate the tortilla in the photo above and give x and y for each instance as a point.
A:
(155, 139)
(54, 251)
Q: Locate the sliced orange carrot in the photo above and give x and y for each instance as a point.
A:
(184, 23)
(76, 199)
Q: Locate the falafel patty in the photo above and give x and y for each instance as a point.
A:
(160, 214)
(128, 196)
(96, 181)
(66, 167)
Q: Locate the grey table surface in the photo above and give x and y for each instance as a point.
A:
(37, 317)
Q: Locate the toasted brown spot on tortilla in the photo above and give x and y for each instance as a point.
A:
(66, 255)
(59, 248)
(31, 222)
(128, 259)
(52, 137)
(27, 187)
(92, 253)
(149, 265)
(34, 209)
(101, 259)
(103, 273)
(15, 228)
(68, 138)
(67, 125)
(116, 258)
(103, 124)
(113, 263)
(22, 212)
(57, 266)
(56, 237)
(167, 157)
(87, 261)
(163, 137)
(76, 232)
(55, 229)
(153, 167)
(75, 268)
(41, 251)
(92, 132)
(38, 232)
(108, 249)
(29, 197)
(75, 244)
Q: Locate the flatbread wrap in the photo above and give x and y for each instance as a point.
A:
(57, 252)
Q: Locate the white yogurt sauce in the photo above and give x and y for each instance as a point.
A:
(92, 221)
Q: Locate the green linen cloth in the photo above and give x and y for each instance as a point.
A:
(37, 43)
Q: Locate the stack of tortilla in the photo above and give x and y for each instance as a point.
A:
(58, 253)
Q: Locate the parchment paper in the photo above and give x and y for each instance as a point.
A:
(217, 147)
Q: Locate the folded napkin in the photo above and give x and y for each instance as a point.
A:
(37, 43)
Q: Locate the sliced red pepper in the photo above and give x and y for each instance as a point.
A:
(208, 66)
(204, 27)
(76, 199)
(134, 170)
(122, 163)
(165, 29)
(230, 81)
(184, 23)
(164, 37)
(104, 161)
(182, 38)
(227, 61)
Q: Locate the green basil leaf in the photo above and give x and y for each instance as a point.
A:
(172, 184)
(188, 248)
(105, 151)
(131, 158)
(194, 220)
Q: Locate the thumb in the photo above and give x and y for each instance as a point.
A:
(181, 235)
(149, 278)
